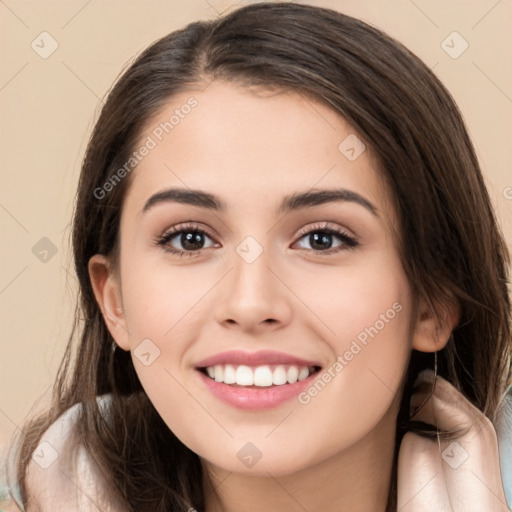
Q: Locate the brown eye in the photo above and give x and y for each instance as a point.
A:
(322, 239)
(184, 240)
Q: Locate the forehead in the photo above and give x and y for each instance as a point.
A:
(252, 146)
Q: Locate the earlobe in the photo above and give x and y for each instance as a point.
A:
(108, 296)
(435, 325)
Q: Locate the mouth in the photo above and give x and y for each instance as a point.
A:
(258, 376)
(256, 380)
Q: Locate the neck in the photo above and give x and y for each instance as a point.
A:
(357, 480)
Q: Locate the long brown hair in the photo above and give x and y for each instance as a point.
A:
(450, 242)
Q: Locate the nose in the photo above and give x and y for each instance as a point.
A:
(254, 298)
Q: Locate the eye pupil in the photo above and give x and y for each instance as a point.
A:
(318, 240)
(191, 240)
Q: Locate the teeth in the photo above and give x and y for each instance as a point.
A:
(262, 376)
(219, 373)
(279, 376)
(303, 374)
(244, 376)
(229, 374)
(292, 374)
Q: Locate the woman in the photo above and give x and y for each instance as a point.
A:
(293, 286)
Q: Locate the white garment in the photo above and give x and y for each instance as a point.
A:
(61, 476)
(504, 431)
(71, 483)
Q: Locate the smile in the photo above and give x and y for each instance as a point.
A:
(258, 380)
(260, 376)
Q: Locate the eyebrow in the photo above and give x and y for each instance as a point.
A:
(293, 202)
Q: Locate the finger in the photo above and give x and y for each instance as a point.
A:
(444, 407)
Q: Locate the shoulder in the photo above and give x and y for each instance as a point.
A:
(61, 475)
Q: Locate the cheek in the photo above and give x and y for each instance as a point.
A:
(368, 312)
(369, 302)
(164, 314)
(166, 310)
(161, 301)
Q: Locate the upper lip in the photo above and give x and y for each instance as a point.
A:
(262, 357)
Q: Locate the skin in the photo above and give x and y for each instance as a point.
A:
(251, 148)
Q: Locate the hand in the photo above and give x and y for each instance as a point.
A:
(458, 475)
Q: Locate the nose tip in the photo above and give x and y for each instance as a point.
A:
(253, 298)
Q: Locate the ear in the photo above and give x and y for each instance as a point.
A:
(107, 291)
(435, 324)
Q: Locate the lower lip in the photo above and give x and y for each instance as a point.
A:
(255, 398)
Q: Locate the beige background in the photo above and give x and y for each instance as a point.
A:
(48, 107)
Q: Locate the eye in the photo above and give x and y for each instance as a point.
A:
(192, 239)
(320, 238)
(189, 236)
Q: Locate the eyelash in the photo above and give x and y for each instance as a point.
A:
(163, 240)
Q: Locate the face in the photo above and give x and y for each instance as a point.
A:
(269, 317)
